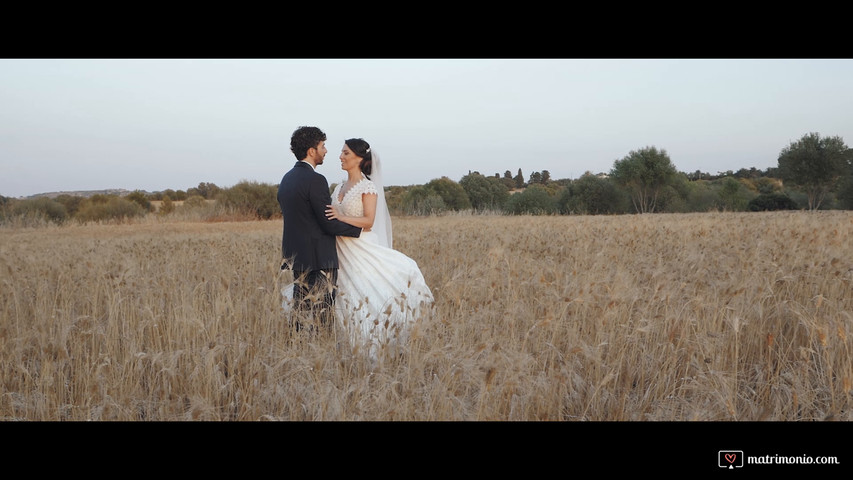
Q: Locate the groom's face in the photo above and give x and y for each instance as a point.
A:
(320, 153)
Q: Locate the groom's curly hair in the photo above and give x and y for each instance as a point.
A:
(303, 139)
(362, 149)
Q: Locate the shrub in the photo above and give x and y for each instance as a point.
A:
(256, 199)
(72, 203)
(702, 196)
(167, 206)
(734, 194)
(771, 201)
(394, 198)
(142, 199)
(108, 209)
(845, 193)
(534, 200)
(194, 201)
(423, 200)
(591, 195)
(767, 185)
(35, 210)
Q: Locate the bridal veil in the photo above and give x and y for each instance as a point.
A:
(382, 220)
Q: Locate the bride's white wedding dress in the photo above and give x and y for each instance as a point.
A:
(381, 291)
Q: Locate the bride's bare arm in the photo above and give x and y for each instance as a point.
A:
(368, 201)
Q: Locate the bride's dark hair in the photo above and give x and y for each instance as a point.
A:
(362, 149)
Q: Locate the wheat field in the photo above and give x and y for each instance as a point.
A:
(666, 317)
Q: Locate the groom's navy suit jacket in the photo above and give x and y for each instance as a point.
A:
(308, 237)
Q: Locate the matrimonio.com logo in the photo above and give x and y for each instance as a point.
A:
(730, 459)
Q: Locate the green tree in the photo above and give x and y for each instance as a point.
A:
(675, 196)
(451, 193)
(535, 177)
(590, 195)
(485, 193)
(508, 181)
(701, 196)
(698, 175)
(734, 195)
(767, 185)
(534, 200)
(394, 198)
(644, 173)
(167, 193)
(141, 198)
(815, 164)
(422, 200)
(845, 191)
(207, 190)
(519, 180)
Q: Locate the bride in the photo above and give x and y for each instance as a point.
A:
(381, 291)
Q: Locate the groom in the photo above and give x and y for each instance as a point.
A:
(308, 236)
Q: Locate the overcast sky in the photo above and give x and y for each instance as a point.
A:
(156, 124)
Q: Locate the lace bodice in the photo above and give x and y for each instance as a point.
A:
(351, 205)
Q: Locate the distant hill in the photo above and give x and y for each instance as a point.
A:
(85, 193)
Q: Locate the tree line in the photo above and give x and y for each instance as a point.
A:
(813, 173)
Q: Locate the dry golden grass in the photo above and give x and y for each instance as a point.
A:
(690, 317)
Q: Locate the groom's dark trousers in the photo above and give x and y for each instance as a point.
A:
(314, 296)
(308, 240)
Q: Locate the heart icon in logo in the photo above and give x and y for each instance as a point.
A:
(730, 457)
